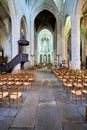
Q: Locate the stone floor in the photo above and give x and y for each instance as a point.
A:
(46, 106)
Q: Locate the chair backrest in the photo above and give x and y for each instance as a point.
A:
(79, 80)
(70, 80)
(1, 92)
(79, 85)
(12, 90)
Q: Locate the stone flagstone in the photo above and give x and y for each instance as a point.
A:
(46, 93)
(46, 107)
(10, 112)
(69, 113)
(47, 118)
(74, 126)
(27, 115)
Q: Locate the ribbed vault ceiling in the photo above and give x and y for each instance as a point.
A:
(45, 19)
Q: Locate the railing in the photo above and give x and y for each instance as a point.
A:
(20, 58)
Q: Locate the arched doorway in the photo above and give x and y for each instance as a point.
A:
(40, 58)
(45, 59)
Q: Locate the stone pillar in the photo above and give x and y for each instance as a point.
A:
(75, 41)
(84, 50)
(28, 38)
(32, 41)
(63, 49)
(63, 43)
(15, 37)
(15, 30)
(59, 45)
(83, 54)
(55, 46)
(35, 46)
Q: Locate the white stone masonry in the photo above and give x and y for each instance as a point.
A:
(75, 41)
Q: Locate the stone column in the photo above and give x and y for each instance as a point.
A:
(59, 45)
(28, 38)
(75, 41)
(32, 40)
(15, 19)
(84, 40)
(15, 37)
(63, 49)
(63, 45)
(55, 46)
(83, 54)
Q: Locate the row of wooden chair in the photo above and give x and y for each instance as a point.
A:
(75, 83)
(11, 84)
(11, 94)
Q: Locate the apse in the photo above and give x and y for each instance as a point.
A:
(45, 47)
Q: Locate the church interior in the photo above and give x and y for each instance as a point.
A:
(56, 31)
(43, 64)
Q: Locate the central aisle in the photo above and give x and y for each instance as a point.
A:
(47, 107)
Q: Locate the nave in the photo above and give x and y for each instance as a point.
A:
(46, 106)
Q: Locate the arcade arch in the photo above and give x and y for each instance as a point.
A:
(45, 37)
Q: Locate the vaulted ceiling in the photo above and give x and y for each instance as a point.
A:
(84, 6)
(45, 19)
(4, 14)
(4, 10)
(36, 3)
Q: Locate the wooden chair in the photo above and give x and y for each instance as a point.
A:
(3, 93)
(26, 83)
(18, 82)
(69, 84)
(85, 82)
(84, 91)
(60, 76)
(64, 80)
(14, 94)
(77, 90)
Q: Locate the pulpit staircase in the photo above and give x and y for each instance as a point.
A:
(20, 58)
